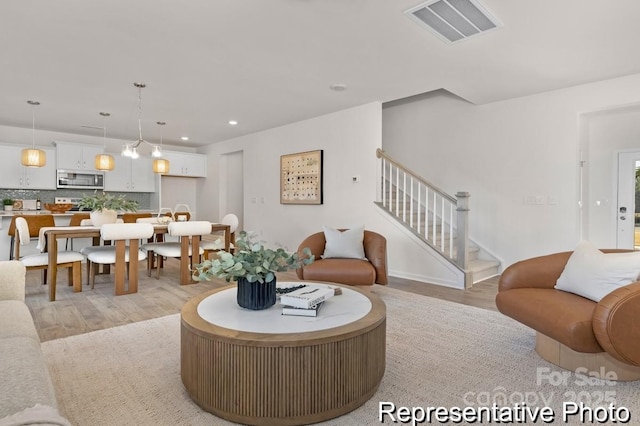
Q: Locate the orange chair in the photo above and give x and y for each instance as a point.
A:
(369, 271)
(133, 217)
(76, 220)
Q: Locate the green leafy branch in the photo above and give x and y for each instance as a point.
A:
(104, 201)
(251, 260)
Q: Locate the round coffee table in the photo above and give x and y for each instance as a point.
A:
(265, 368)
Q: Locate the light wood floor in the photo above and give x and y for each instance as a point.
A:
(90, 310)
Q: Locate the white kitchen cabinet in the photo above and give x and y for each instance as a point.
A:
(142, 177)
(186, 164)
(13, 175)
(131, 175)
(42, 177)
(73, 156)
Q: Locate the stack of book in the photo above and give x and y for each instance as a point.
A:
(305, 301)
(302, 312)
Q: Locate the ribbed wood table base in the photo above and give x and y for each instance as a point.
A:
(563, 356)
(319, 376)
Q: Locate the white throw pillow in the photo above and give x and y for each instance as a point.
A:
(347, 244)
(592, 274)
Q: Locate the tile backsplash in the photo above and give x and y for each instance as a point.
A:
(143, 198)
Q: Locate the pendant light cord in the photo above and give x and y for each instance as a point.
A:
(104, 129)
(33, 126)
(161, 124)
(139, 114)
(33, 122)
(140, 86)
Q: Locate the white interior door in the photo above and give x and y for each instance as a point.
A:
(628, 162)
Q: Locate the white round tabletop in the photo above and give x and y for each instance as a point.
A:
(221, 309)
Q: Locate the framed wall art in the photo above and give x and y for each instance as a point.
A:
(301, 178)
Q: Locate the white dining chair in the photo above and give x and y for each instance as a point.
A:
(190, 234)
(88, 249)
(218, 244)
(182, 212)
(165, 211)
(153, 242)
(66, 259)
(121, 254)
(35, 222)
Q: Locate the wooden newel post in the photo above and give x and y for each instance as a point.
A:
(462, 231)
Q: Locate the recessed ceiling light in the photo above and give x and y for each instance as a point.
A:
(338, 87)
(185, 138)
(233, 122)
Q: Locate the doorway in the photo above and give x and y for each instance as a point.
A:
(628, 204)
(232, 186)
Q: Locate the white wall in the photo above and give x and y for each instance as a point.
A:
(349, 139)
(180, 190)
(507, 151)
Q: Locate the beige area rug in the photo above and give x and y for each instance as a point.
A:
(439, 354)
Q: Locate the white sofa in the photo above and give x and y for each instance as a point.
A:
(27, 395)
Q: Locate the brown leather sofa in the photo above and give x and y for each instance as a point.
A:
(347, 271)
(572, 331)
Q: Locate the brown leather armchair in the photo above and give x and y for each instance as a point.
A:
(572, 331)
(347, 271)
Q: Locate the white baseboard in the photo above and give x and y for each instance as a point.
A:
(426, 279)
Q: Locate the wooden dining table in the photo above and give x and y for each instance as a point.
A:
(49, 242)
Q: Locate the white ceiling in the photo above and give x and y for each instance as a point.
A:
(269, 63)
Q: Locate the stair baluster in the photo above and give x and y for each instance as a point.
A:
(430, 212)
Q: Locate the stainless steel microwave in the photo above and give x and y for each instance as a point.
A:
(80, 180)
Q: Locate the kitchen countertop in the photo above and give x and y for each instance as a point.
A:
(67, 214)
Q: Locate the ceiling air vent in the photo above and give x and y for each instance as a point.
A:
(454, 20)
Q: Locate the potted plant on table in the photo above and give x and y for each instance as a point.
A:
(104, 207)
(253, 266)
(8, 204)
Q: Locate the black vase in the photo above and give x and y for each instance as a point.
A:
(256, 295)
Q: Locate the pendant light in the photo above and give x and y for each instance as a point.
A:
(104, 161)
(32, 157)
(160, 165)
(131, 150)
(126, 150)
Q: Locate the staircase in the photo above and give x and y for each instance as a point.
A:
(436, 218)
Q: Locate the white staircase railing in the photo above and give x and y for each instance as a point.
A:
(439, 219)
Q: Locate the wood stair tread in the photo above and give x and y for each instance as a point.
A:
(413, 216)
